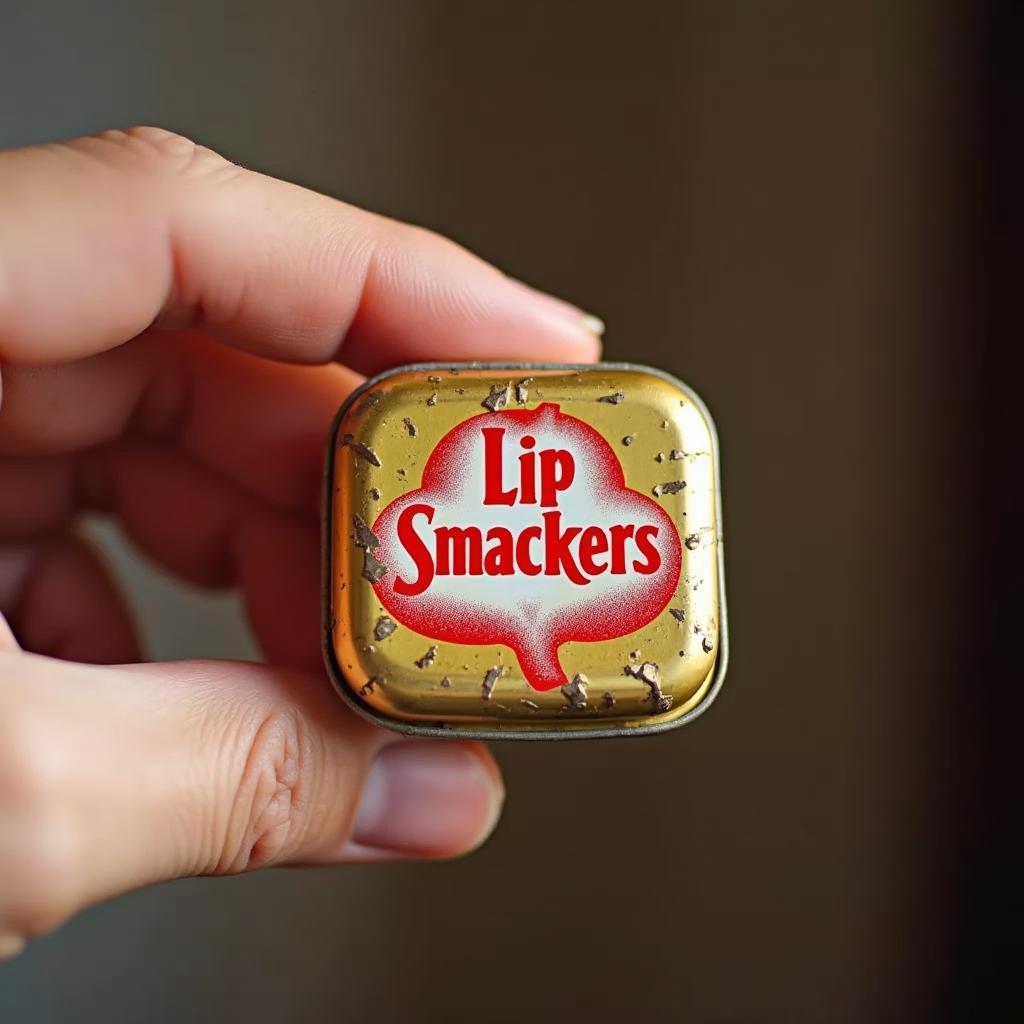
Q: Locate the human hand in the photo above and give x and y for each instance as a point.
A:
(155, 304)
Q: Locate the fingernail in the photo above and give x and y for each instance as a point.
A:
(567, 316)
(428, 798)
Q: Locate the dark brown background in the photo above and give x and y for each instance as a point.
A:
(780, 203)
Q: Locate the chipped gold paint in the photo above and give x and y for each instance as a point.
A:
(659, 433)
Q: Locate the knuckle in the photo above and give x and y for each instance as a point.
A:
(269, 815)
(170, 152)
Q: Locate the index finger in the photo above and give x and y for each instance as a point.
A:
(104, 237)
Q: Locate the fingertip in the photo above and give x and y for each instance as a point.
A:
(441, 303)
(582, 331)
(564, 338)
(545, 328)
(65, 603)
(595, 325)
(426, 800)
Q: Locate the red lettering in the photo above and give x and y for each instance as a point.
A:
(500, 558)
(652, 559)
(418, 551)
(579, 553)
(593, 541)
(527, 472)
(493, 493)
(527, 566)
(620, 534)
(557, 555)
(459, 551)
(557, 470)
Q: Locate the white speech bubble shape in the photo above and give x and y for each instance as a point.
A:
(532, 614)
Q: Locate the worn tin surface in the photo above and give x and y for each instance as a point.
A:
(524, 552)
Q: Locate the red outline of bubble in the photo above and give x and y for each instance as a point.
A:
(600, 618)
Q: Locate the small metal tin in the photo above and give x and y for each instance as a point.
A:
(524, 551)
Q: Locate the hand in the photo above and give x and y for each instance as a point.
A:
(155, 301)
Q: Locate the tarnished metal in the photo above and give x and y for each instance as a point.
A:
(524, 551)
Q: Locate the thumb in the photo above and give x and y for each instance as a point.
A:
(111, 778)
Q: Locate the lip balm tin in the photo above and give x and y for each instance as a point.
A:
(524, 551)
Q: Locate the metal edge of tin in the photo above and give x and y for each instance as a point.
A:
(337, 675)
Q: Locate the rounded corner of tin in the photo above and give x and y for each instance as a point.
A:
(344, 689)
(685, 389)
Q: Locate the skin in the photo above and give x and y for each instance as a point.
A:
(176, 334)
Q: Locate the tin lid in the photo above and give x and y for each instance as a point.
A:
(524, 551)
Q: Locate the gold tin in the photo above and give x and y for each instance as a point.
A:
(524, 551)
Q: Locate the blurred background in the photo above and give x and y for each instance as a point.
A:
(801, 209)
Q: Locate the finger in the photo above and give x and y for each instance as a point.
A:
(203, 527)
(278, 558)
(208, 768)
(143, 228)
(59, 600)
(180, 513)
(37, 496)
(260, 423)
(196, 523)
